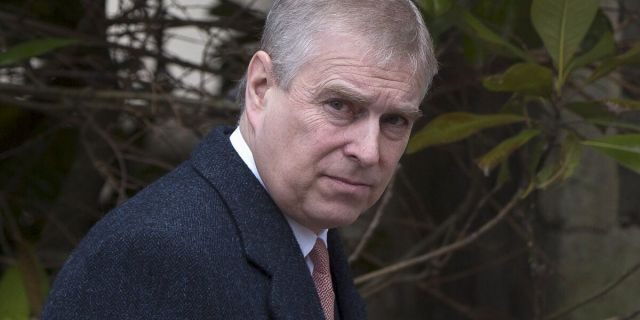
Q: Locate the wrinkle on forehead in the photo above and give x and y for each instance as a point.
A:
(328, 66)
(370, 84)
(338, 62)
(335, 41)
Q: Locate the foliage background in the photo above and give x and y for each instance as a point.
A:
(509, 205)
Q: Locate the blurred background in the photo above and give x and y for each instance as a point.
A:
(518, 197)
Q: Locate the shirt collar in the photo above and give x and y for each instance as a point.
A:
(306, 238)
(242, 148)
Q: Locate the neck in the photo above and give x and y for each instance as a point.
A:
(246, 130)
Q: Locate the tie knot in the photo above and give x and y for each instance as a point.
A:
(320, 257)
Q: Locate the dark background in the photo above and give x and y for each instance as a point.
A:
(95, 107)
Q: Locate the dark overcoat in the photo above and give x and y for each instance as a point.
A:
(206, 241)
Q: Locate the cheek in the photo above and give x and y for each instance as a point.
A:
(391, 151)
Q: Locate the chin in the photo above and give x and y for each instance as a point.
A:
(339, 218)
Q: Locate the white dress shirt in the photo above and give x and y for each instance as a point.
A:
(305, 237)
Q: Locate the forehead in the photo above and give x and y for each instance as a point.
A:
(339, 60)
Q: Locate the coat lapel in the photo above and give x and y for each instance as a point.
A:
(348, 300)
(268, 241)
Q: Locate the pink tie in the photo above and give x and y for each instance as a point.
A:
(322, 278)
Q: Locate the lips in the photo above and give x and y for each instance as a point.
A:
(351, 182)
(348, 186)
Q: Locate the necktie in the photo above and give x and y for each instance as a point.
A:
(322, 278)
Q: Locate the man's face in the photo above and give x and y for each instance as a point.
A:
(327, 147)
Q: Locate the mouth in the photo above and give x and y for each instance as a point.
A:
(349, 186)
(351, 182)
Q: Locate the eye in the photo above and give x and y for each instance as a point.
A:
(395, 126)
(340, 109)
(395, 120)
(337, 105)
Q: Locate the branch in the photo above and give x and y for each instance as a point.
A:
(632, 316)
(465, 310)
(441, 231)
(374, 222)
(597, 295)
(21, 23)
(402, 265)
(122, 196)
(155, 23)
(222, 106)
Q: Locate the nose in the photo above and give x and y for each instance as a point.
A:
(363, 143)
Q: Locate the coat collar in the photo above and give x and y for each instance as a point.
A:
(348, 300)
(266, 237)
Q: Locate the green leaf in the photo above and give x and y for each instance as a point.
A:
(606, 67)
(486, 34)
(534, 158)
(561, 164)
(618, 105)
(624, 148)
(605, 47)
(504, 150)
(589, 109)
(435, 8)
(603, 108)
(600, 26)
(32, 49)
(527, 78)
(451, 127)
(606, 113)
(562, 24)
(13, 295)
(613, 123)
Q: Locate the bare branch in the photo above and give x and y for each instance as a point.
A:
(563, 312)
(402, 265)
(122, 196)
(19, 22)
(221, 107)
(375, 221)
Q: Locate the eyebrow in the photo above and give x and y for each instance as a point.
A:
(345, 93)
(354, 96)
(413, 114)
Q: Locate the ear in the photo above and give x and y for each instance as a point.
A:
(259, 80)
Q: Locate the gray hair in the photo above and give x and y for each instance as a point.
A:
(389, 30)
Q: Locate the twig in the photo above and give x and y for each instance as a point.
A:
(51, 29)
(149, 161)
(376, 287)
(464, 206)
(30, 143)
(101, 166)
(399, 266)
(438, 233)
(413, 193)
(476, 210)
(632, 316)
(221, 104)
(122, 196)
(466, 311)
(477, 269)
(597, 295)
(374, 222)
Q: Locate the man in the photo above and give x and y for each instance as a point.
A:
(241, 230)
